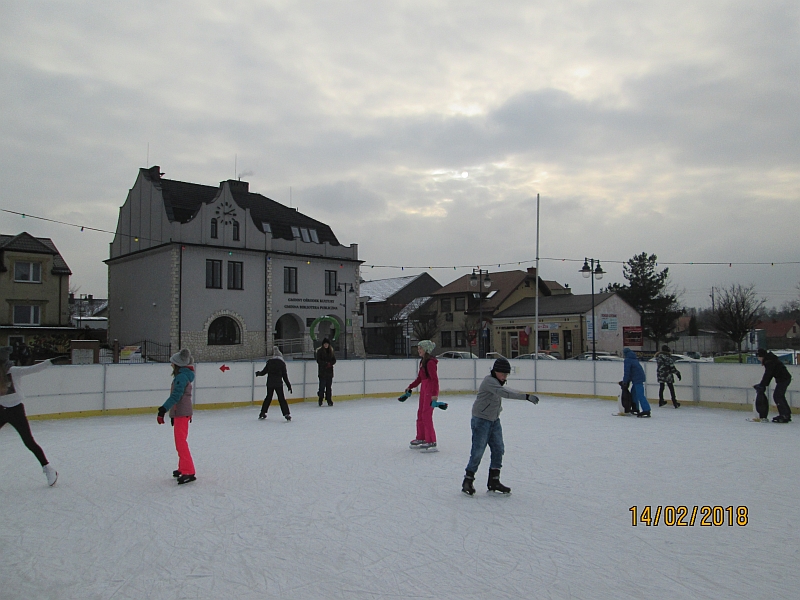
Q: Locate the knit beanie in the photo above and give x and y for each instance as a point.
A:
(501, 365)
(665, 348)
(326, 341)
(276, 352)
(182, 358)
(427, 346)
(761, 352)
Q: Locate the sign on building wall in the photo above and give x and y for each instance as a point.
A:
(608, 322)
(632, 337)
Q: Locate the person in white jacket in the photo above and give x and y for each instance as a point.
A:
(12, 410)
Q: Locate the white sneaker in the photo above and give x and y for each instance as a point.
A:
(51, 474)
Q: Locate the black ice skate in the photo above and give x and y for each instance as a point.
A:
(186, 479)
(494, 484)
(467, 486)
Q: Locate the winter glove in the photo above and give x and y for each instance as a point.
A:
(161, 412)
(289, 388)
(259, 373)
(437, 404)
(678, 374)
(532, 398)
(759, 388)
(405, 396)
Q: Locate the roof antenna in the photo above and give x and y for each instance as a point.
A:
(290, 196)
(147, 165)
(235, 158)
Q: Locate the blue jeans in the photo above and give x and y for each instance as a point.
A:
(637, 390)
(486, 432)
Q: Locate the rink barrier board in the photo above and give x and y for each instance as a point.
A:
(94, 390)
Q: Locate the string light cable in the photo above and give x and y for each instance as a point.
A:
(448, 267)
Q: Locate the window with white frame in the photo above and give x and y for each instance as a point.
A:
(305, 234)
(314, 236)
(289, 280)
(27, 314)
(28, 272)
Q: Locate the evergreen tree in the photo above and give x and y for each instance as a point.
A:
(647, 291)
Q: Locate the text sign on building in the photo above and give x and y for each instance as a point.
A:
(632, 337)
(608, 322)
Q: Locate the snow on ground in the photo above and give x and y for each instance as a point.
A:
(335, 505)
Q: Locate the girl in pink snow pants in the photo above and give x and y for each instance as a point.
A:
(179, 405)
(428, 380)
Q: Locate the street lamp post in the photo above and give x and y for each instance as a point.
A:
(344, 289)
(477, 274)
(598, 272)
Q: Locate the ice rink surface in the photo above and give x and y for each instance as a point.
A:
(335, 505)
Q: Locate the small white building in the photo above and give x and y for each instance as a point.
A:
(226, 272)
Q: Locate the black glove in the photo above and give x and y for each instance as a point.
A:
(289, 388)
(532, 398)
(678, 373)
(759, 388)
(161, 412)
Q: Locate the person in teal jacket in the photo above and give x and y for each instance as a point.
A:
(634, 374)
(179, 405)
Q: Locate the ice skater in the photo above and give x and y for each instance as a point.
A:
(428, 380)
(275, 370)
(486, 428)
(634, 374)
(179, 405)
(325, 361)
(666, 373)
(773, 367)
(12, 410)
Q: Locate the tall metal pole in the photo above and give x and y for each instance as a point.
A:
(536, 284)
(594, 321)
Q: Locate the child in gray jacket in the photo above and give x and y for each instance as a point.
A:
(486, 428)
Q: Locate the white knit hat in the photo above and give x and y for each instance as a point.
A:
(427, 346)
(182, 358)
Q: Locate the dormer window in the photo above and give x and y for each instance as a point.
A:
(213, 229)
(267, 227)
(314, 236)
(304, 233)
(295, 232)
(236, 231)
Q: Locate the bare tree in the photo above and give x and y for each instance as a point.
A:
(425, 326)
(737, 311)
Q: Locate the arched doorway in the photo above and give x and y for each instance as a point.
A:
(289, 334)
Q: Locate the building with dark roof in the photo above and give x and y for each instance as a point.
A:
(565, 325)
(34, 288)
(387, 310)
(226, 272)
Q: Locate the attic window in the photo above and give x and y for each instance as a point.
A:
(30, 272)
(314, 236)
(266, 226)
(295, 232)
(305, 234)
(490, 294)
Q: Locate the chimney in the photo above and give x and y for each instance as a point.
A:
(532, 270)
(90, 298)
(155, 172)
(236, 186)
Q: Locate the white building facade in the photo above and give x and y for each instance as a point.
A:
(226, 273)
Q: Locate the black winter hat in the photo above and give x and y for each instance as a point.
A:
(325, 341)
(665, 348)
(501, 365)
(761, 352)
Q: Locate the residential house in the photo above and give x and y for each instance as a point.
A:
(780, 334)
(34, 289)
(466, 306)
(386, 311)
(227, 272)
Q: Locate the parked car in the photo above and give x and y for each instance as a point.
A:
(456, 354)
(681, 358)
(494, 355)
(540, 355)
(588, 355)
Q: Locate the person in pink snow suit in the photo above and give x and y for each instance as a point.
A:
(179, 405)
(428, 380)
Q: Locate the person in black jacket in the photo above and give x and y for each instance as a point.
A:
(325, 361)
(773, 367)
(275, 370)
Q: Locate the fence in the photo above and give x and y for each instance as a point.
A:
(111, 388)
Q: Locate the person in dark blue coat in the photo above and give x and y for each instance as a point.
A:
(634, 374)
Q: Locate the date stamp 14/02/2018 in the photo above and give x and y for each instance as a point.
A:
(685, 516)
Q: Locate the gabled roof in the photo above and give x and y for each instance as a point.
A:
(776, 328)
(503, 283)
(183, 200)
(25, 242)
(565, 304)
(381, 290)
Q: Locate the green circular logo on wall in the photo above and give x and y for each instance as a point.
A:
(331, 320)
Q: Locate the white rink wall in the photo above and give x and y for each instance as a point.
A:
(93, 389)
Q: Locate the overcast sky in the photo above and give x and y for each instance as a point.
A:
(423, 130)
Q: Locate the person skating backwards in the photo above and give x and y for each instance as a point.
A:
(325, 361)
(773, 367)
(179, 405)
(634, 374)
(486, 427)
(428, 380)
(666, 375)
(12, 410)
(275, 370)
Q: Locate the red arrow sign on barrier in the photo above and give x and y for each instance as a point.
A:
(224, 368)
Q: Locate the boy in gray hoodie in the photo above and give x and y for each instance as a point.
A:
(486, 428)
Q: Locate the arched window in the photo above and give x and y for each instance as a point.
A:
(213, 229)
(236, 231)
(224, 331)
